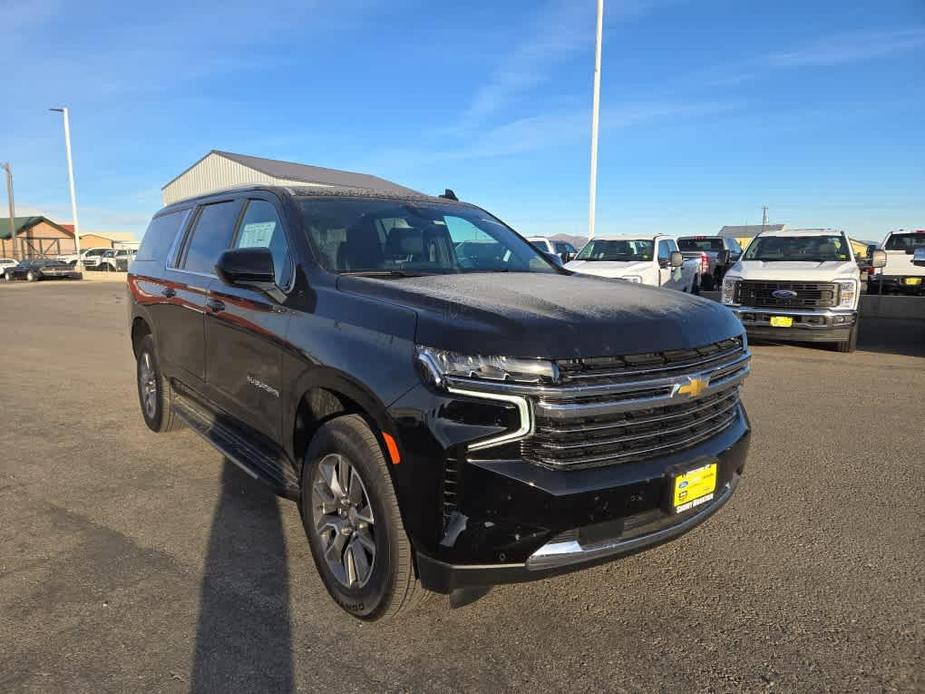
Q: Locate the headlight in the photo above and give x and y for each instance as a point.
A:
(730, 284)
(635, 279)
(847, 292)
(440, 363)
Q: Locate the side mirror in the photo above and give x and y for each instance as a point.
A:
(247, 267)
(878, 259)
(723, 258)
(918, 255)
(676, 259)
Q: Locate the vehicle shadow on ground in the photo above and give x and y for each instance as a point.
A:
(243, 638)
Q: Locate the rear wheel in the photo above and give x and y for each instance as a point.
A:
(350, 514)
(695, 286)
(155, 394)
(31, 276)
(708, 283)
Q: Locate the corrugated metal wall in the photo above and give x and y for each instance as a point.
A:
(213, 173)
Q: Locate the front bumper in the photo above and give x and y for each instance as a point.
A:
(525, 522)
(809, 325)
(896, 284)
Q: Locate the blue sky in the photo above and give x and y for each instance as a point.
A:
(710, 108)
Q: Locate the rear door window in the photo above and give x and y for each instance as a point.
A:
(160, 235)
(210, 236)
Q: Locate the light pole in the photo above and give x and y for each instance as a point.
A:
(70, 178)
(11, 204)
(595, 111)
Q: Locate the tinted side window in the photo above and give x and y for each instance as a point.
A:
(261, 228)
(160, 235)
(211, 236)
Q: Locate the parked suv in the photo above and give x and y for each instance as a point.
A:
(800, 284)
(444, 421)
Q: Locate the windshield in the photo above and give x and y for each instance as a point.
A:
(817, 249)
(700, 244)
(603, 249)
(400, 238)
(905, 242)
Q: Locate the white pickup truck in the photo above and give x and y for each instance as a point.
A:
(801, 285)
(652, 260)
(904, 272)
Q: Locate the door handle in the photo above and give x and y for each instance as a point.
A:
(169, 292)
(215, 305)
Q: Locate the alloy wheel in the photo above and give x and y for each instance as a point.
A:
(343, 520)
(147, 385)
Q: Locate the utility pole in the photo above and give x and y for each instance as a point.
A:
(595, 118)
(11, 204)
(70, 178)
(764, 217)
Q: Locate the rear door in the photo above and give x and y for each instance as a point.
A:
(188, 277)
(246, 328)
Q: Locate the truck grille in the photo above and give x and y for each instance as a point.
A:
(623, 409)
(808, 294)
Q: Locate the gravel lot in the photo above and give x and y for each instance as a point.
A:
(133, 561)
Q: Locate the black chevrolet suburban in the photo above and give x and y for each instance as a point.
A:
(449, 409)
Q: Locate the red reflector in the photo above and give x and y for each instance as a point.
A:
(392, 448)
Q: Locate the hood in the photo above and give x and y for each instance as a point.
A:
(549, 316)
(609, 268)
(795, 270)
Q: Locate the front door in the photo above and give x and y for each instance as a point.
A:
(246, 328)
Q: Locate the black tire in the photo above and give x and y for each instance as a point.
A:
(31, 276)
(390, 586)
(695, 286)
(160, 416)
(851, 343)
(707, 283)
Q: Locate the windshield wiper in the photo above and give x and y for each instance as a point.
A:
(385, 273)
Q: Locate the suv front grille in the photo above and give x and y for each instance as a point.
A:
(621, 409)
(621, 437)
(808, 294)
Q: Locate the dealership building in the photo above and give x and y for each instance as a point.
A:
(219, 170)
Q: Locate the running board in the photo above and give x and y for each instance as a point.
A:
(270, 467)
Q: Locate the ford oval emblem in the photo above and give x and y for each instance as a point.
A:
(784, 294)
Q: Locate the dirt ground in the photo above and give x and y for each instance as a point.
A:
(132, 561)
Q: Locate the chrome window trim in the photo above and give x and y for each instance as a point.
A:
(524, 430)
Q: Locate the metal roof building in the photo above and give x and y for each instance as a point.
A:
(218, 170)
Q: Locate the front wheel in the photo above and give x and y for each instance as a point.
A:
(31, 276)
(350, 514)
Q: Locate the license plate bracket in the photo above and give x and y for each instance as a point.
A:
(691, 486)
(781, 321)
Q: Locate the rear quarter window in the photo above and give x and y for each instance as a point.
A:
(160, 235)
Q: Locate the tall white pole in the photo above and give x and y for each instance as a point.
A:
(70, 179)
(595, 118)
(11, 205)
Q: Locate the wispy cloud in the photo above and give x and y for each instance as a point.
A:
(560, 30)
(19, 14)
(550, 130)
(846, 48)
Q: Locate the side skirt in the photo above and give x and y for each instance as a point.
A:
(260, 460)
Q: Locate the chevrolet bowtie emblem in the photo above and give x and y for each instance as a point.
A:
(693, 388)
